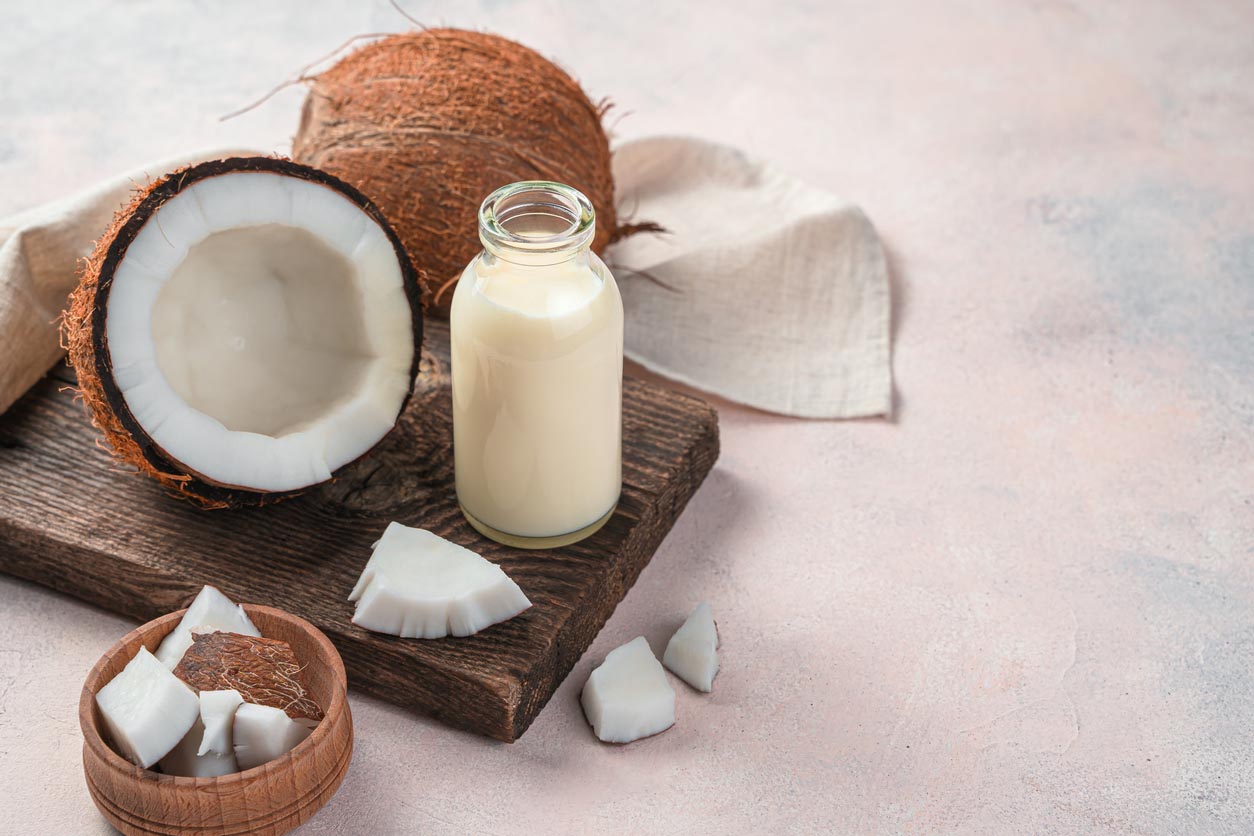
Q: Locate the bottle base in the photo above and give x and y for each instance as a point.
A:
(521, 542)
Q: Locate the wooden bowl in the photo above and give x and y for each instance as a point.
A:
(269, 799)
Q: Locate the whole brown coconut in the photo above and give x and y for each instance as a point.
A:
(428, 123)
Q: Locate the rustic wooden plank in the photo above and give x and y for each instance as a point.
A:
(71, 519)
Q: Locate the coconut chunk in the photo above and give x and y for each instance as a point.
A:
(419, 585)
(628, 697)
(217, 716)
(262, 733)
(186, 760)
(210, 611)
(263, 671)
(692, 653)
(147, 710)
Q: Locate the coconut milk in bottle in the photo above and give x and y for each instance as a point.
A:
(537, 349)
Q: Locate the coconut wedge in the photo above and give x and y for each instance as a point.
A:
(245, 329)
(692, 653)
(419, 585)
(209, 612)
(628, 697)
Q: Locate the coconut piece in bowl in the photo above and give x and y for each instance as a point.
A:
(147, 710)
(263, 671)
(217, 715)
(186, 760)
(262, 733)
(210, 611)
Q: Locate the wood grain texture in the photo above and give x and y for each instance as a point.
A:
(268, 800)
(70, 519)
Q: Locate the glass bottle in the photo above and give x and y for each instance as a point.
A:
(537, 347)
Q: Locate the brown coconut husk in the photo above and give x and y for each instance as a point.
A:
(85, 338)
(264, 671)
(429, 123)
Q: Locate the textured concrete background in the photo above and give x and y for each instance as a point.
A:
(1026, 604)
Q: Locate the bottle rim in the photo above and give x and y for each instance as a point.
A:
(536, 218)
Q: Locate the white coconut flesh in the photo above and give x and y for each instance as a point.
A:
(692, 653)
(217, 715)
(260, 733)
(418, 585)
(627, 697)
(210, 611)
(147, 710)
(184, 759)
(259, 330)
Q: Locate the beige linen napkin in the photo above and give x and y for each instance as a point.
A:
(776, 293)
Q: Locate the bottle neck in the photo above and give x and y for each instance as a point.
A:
(536, 223)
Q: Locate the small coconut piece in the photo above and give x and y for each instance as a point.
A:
(210, 611)
(419, 585)
(217, 716)
(262, 733)
(186, 760)
(692, 653)
(628, 697)
(263, 671)
(146, 709)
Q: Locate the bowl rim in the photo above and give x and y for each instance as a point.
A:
(93, 736)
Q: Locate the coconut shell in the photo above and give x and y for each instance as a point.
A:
(86, 340)
(429, 123)
(264, 671)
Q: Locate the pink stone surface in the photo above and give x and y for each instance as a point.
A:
(1025, 604)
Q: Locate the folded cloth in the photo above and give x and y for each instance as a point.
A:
(764, 290)
(39, 254)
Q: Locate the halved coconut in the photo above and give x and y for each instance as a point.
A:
(246, 328)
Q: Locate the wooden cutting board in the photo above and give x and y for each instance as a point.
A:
(72, 519)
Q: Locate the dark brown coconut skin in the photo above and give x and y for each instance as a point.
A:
(264, 671)
(87, 341)
(430, 123)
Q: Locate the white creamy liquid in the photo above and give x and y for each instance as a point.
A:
(537, 394)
